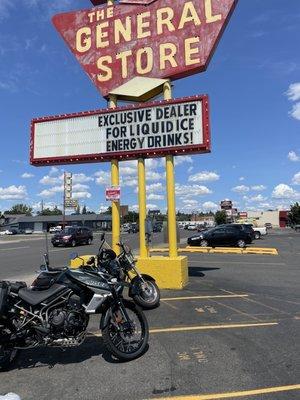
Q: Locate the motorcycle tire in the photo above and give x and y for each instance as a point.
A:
(7, 357)
(115, 338)
(148, 298)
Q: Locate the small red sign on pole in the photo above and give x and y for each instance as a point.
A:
(113, 193)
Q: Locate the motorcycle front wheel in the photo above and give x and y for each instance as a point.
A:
(125, 339)
(148, 296)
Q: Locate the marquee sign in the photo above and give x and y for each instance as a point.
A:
(152, 130)
(148, 38)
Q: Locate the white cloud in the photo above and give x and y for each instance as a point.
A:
(241, 189)
(296, 179)
(153, 196)
(13, 193)
(53, 171)
(51, 192)
(258, 188)
(103, 208)
(190, 202)
(150, 206)
(284, 191)
(210, 206)
(132, 182)
(27, 175)
(51, 180)
(82, 195)
(191, 190)
(292, 156)
(183, 159)
(295, 112)
(103, 178)
(254, 199)
(293, 92)
(5, 8)
(78, 187)
(81, 178)
(190, 169)
(154, 176)
(154, 187)
(38, 206)
(204, 176)
(241, 178)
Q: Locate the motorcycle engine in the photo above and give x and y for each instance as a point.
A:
(70, 320)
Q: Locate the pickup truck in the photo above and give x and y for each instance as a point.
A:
(259, 231)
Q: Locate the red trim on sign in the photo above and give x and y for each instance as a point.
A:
(148, 153)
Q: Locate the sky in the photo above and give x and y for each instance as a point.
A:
(253, 82)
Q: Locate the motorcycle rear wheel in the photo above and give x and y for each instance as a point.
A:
(125, 341)
(148, 297)
(7, 357)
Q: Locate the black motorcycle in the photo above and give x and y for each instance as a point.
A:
(142, 288)
(58, 314)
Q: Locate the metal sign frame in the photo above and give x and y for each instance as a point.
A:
(122, 156)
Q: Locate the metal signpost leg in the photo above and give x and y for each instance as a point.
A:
(115, 181)
(142, 207)
(171, 207)
(171, 190)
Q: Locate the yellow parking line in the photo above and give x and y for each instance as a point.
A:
(209, 327)
(200, 328)
(233, 296)
(231, 395)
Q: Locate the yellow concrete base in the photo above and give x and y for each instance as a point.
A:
(169, 273)
(80, 262)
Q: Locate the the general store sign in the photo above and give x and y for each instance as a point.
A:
(163, 39)
(151, 130)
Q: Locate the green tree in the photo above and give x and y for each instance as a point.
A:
(108, 211)
(20, 209)
(220, 217)
(294, 214)
(84, 211)
(48, 211)
(77, 211)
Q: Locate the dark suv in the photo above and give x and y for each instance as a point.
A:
(223, 235)
(72, 236)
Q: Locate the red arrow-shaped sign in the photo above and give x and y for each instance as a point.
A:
(165, 39)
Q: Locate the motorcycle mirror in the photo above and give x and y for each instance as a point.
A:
(73, 256)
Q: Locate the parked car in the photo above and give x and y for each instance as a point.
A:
(55, 229)
(134, 228)
(28, 231)
(192, 226)
(297, 228)
(157, 227)
(15, 231)
(268, 225)
(226, 235)
(258, 231)
(73, 236)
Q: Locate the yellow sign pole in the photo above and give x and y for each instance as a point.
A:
(142, 207)
(115, 181)
(170, 175)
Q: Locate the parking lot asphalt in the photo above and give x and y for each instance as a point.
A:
(232, 333)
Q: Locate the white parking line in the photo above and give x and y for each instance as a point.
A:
(15, 248)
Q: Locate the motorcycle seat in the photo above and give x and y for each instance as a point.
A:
(34, 297)
(16, 286)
